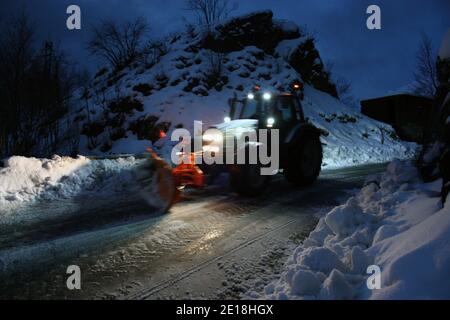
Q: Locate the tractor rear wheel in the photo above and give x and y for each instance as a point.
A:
(305, 161)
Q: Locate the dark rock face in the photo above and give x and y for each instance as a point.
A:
(443, 68)
(306, 61)
(444, 168)
(148, 128)
(259, 29)
(435, 158)
(256, 29)
(444, 117)
(443, 104)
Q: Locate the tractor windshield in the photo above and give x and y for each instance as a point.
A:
(253, 108)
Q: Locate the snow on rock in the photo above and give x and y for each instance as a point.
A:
(27, 179)
(444, 52)
(287, 48)
(395, 222)
(179, 85)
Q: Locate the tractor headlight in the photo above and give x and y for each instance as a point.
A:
(267, 96)
(270, 122)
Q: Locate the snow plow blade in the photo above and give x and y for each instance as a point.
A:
(189, 175)
(158, 186)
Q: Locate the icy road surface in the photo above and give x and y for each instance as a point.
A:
(211, 245)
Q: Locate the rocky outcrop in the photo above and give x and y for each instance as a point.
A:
(259, 29)
(256, 29)
(305, 59)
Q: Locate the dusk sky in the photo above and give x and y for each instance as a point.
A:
(376, 62)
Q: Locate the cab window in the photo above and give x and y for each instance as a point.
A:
(286, 109)
(251, 109)
(298, 110)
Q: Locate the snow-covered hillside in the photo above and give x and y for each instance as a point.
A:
(395, 222)
(183, 80)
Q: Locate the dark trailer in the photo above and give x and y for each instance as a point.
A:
(408, 114)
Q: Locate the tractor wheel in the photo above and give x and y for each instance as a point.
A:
(305, 161)
(246, 180)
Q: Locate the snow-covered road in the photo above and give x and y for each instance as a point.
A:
(212, 245)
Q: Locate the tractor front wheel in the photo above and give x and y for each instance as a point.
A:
(305, 161)
(247, 180)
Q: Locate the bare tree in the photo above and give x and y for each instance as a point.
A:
(36, 85)
(118, 44)
(425, 74)
(343, 87)
(345, 92)
(210, 11)
(16, 51)
(153, 51)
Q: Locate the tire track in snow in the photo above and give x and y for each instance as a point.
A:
(144, 294)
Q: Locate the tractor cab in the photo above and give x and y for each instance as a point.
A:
(280, 111)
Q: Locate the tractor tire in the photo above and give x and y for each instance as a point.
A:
(246, 180)
(305, 161)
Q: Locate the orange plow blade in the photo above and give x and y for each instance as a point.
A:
(188, 174)
(160, 184)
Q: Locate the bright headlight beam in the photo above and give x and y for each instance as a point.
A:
(211, 149)
(212, 137)
(227, 119)
(267, 96)
(251, 96)
(270, 122)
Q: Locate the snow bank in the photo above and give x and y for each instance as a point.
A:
(27, 179)
(394, 222)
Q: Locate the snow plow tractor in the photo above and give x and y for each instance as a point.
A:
(300, 148)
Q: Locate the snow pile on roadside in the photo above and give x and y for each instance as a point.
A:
(27, 179)
(395, 222)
